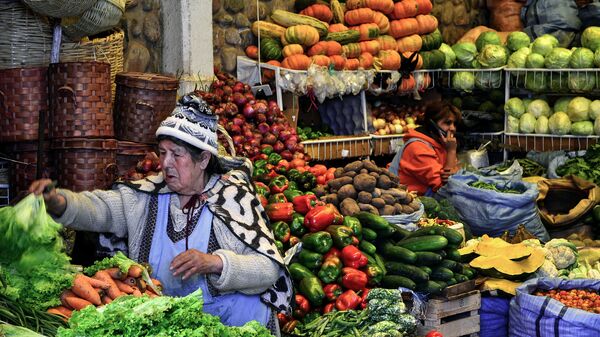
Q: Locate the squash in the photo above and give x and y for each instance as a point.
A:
(358, 16)
(407, 85)
(367, 61)
(352, 64)
(427, 24)
(390, 59)
(321, 60)
(325, 48)
(434, 59)
(404, 9)
(338, 61)
(345, 37)
(387, 42)
(269, 74)
(252, 52)
(296, 62)
(403, 27)
(351, 50)
(384, 6)
(267, 29)
(371, 47)
(500, 266)
(289, 19)
(432, 41)
(337, 11)
(496, 246)
(270, 49)
(336, 28)
(424, 6)
(382, 22)
(333, 48)
(354, 4)
(409, 43)
(368, 31)
(292, 49)
(318, 11)
(507, 286)
(301, 34)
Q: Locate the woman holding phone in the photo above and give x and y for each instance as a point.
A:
(428, 157)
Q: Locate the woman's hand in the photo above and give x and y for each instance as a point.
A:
(450, 142)
(193, 262)
(55, 203)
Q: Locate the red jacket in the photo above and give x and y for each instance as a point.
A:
(421, 165)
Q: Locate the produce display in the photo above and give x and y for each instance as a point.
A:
(493, 187)
(389, 119)
(530, 167)
(588, 300)
(149, 166)
(481, 112)
(586, 167)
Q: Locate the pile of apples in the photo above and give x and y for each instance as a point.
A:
(149, 166)
(395, 119)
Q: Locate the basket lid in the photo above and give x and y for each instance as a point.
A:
(148, 81)
(84, 143)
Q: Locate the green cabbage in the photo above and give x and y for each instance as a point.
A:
(534, 60)
(518, 58)
(582, 81)
(517, 40)
(488, 79)
(512, 125)
(463, 80)
(590, 38)
(541, 125)
(582, 58)
(594, 110)
(561, 104)
(536, 81)
(544, 44)
(492, 56)
(597, 126)
(583, 128)
(579, 109)
(487, 38)
(450, 56)
(559, 123)
(465, 54)
(558, 58)
(514, 107)
(597, 58)
(539, 107)
(559, 82)
(526, 102)
(527, 123)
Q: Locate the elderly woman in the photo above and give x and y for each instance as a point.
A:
(197, 224)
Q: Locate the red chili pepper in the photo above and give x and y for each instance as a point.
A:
(363, 298)
(321, 216)
(347, 301)
(353, 257)
(332, 291)
(354, 279)
(332, 252)
(280, 211)
(329, 307)
(304, 203)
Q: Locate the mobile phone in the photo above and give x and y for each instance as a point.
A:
(437, 128)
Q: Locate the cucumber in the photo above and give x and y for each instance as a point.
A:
(425, 269)
(441, 273)
(442, 284)
(369, 234)
(442, 253)
(431, 287)
(452, 254)
(380, 263)
(448, 264)
(397, 253)
(424, 243)
(469, 272)
(367, 247)
(422, 232)
(400, 233)
(453, 237)
(460, 278)
(451, 282)
(372, 221)
(396, 281)
(427, 258)
(385, 233)
(407, 270)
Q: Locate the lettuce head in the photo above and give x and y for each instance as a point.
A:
(539, 107)
(544, 44)
(561, 104)
(517, 40)
(594, 110)
(590, 38)
(514, 107)
(582, 58)
(582, 81)
(450, 56)
(465, 54)
(534, 60)
(527, 123)
(492, 56)
(559, 123)
(487, 38)
(541, 125)
(558, 58)
(512, 125)
(583, 128)
(579, 109)
(518, 58)
(463, 80)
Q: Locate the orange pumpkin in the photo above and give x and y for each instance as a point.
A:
(427, 24)
(252, 52)
(321, 60)
(384, 6)
(269, 74)
(403, 27)
(368, 31)
(406, 85)
(333, 48)
(408, 54)
(301, 34)
(404, 9)
(292, 49)
(318, 11)
(390, 59)
(358, 16)
(351, 50)
(386, 42)
(296, 62)
(319, 48)
(409, 43)
(382, 22)
(371, 47)
(366, 60)
(352, 64)
(424, 6)
(338, 61)
(337, 27)
(354, 4)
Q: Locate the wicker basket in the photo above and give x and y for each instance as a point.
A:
(80, 104)
(84, 164)
(142, 102)
(129, 153)
(22, 175)
(105, 47)
(23, 94)
(59, 8)
(102, 16)
(25, 38)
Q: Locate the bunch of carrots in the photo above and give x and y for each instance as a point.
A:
(102, 288)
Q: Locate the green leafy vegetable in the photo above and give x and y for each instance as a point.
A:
(118, 260)
(13, 312)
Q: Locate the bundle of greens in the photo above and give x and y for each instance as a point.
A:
(493, 187)
(530, 167)
(586, 167)
(13, 312)
(33, 266)
(130, 316)
(9, 330)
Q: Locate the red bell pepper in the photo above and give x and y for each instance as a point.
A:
(332, 291)
(354, 279)
(302, 306)
(332, 252)
(347, 301)
(321, 216)
(263, 200)
(318, 169)
(283, 163)
(278, 184)
(280, 211)
(353, 257)
(262, 188)
(329, 307)
(363, 298)
(283, 318)
(294, 240)
(304, 203)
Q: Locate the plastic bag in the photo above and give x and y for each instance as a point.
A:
(493, 316)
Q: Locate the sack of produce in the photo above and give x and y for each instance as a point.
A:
(493, 316)
(505, 15)
(534, 313)
(492, 205)
(563, 202)
(556, 17)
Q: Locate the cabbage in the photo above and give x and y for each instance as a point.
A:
(518, 58)
(559, 123)
(596, 126)
(561, 104)
(492, 56)
(487, 38)
(488, 79)
(538, 108)
(583, 128)
(578, 109)
(527, 123)
(582, 58)
(514, 107)
(582, 81)
(594, 109)
(541, 125)
(590, 38)
(558, 81)
(512, 125)
(465, 54)
(450, 56)
(544, 44)
(597, 58)
(526, 102)
(517, 40)
(558, 58)
(536, 81)
(534, 60)
(463, 80)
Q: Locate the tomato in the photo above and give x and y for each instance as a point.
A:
(321, 180)
(434, 333)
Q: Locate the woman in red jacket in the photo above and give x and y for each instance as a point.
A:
(428, 156)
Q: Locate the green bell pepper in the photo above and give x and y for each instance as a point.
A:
(294, 175)
(278, 184)
(281, 231)
(297, 225)
(298, 271)
(267, 149)
(277, 198)
(292, 185)
(319, 242)
(330, 269)
(262, 188)
(374, 274)
(308, 181)
(274, 158)
(341, 235)
(259, 172)
(260, 164)
(312, 289)
(310, 259)
(354, 224)
(279, 245)
(290, 193)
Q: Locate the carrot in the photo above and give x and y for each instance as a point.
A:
(156, 283)
(60, 311)
(116, 273)
(142, 285)
(96, 283)
(77, 303)
(150, 294)
(126, 288)
(136, 292)
(106, 299)
(113, 290)
(135, 271)
(83, 288)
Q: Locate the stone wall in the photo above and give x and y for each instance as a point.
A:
(142, 24)
(456, 17)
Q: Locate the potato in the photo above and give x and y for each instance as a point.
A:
(354, 166)
(407, 209)
(338, 172)
(378, 202)
(409, 198)
(415, 205)
(349, 206)
(389, 199)
(364, 182)
(376, 193)
(339, 182)
(374, 174)
(384, 182)
(347, 191)
(398, 193)
(350, 174)
(369, 165)
(398, 208)
(319, 191)
(368, 208)
(387, 210)
(332, 199)
(364, 197)
(364, 171)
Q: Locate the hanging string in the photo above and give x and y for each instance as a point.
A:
(189, 209)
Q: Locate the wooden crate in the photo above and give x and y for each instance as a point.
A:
(386, 145)
(453, 317)
(338, 147)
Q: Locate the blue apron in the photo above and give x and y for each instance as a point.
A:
(234, 309)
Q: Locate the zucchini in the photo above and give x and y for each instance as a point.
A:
(448, 264)
(380, 263)
(397, 253)
(431, 287)
(386, 232)
(441, 273)
(369, 234)
(367, 247)
(268, 29)
(424, 243)
(375, 222)
(452, 254)
(426, 269)
(406, 270)
(460, 278)
(396, 281)
(288, 19)
(427, 258)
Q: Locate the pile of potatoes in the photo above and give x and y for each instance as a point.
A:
(363, 186)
